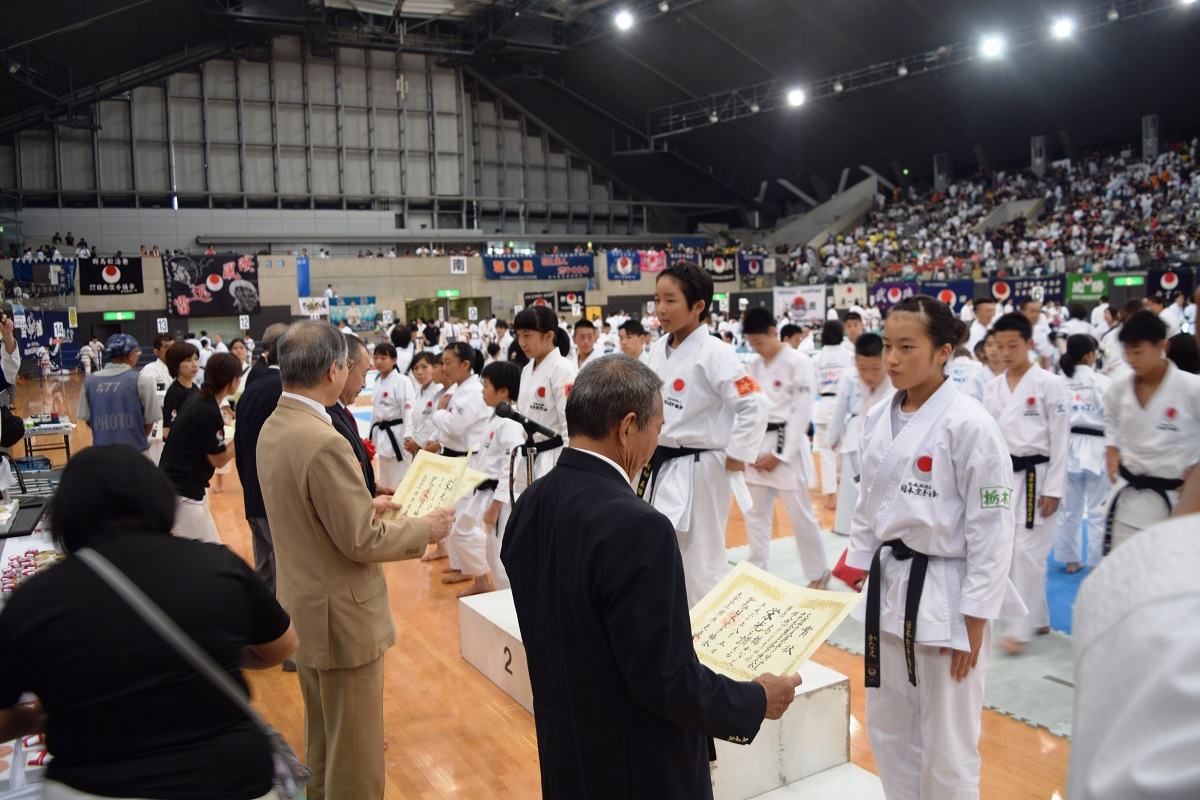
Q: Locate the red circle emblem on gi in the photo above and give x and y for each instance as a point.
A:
(385, 394)
(677, 385)
(111, 274)
(923, 468)
(541, 391)
(429, 404)
(1031, 402)
(778, 384)
(1171, 413)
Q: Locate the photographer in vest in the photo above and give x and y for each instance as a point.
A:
(119, 403)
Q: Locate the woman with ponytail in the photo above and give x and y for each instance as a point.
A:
(545, 382)
(1087, 485)
(197, 446)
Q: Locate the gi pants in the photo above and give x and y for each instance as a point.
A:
(925, 738)
(1031, 548)
(829, 459)
(702, 545)
(390, 470)
(847, 493)
(193, 520)
(805, 529)
(343, 731)
(1086, 496)
(495, 538)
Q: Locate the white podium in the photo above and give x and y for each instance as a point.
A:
(809, 746)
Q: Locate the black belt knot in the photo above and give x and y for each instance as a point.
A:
(780, 431)
(446, 451)
(1086, 431)
(487, 486)
(828, 394)
(537, 448)
(661, 456)
(1159, 486)
(1027, 464)
(912, 604)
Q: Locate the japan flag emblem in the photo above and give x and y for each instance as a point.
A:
(678, 385)
(1001, 290)
(214, 283)
(923, 468)
(111, 274)
(624, 265)
(894, 295)
(541, 392)
(1171, 413)
(1031, 402)
(947, 297)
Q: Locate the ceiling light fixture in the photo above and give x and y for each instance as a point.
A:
(712, 117)
(1063, 28)
(795, 97)
(1113, 14)
(903, 71)
(838, 88)
(623, 20)
(992, 47)
(754, 109)
(664, 6)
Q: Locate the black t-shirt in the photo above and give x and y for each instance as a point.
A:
(199, 431)
(177, 394)
(128, 716)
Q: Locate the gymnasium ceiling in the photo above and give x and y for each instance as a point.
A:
(564, 63)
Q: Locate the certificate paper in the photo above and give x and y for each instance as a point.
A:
(753, 622)
(433, 482)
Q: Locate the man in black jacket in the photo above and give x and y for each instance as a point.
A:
(622, 705)
(273, 332)
(343, 418)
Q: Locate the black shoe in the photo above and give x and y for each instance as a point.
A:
(289, 665)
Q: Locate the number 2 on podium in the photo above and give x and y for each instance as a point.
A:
(508, 663)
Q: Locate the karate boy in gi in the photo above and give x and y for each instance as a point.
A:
(477, 537)
(935, 528)
(857, 394)
(1151, 430)
(832, 361)
(789, 381)
(714, 419)
(1031, 407)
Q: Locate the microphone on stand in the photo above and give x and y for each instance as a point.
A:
(508, 412)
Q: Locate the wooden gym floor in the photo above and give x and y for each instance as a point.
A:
(452, 733)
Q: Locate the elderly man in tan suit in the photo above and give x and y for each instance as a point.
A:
(329, 544)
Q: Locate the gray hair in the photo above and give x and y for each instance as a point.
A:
(305, 352)
(355, 346)
(606, 390)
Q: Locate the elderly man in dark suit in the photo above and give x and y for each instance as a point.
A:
(343, 417)
(622, 705)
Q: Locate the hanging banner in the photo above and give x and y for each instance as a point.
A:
(522, 268)
(800, 304)
(953, 293)
(1087, 288)
(111, 276)
(42, 329)
(58, 272)
(691, 258)
(751, 265)
(652, 260)
(624, 265)
(357, 312)
(1018, 290)
(720, 268)
(888, 293)
(847, 295)
(1170, 283)
(314, 307)
(568, 300)
(302, 276)
(221, 285)
(540, 299)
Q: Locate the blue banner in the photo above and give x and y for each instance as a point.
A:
(1017, 290)
(58, 272)
(953, 293)
(750, 265)
(541, 268)
(301, 276)
(624, 265)
(39, 332)
(888, 293)
(1170, 283)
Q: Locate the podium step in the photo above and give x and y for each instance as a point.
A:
(846, 781)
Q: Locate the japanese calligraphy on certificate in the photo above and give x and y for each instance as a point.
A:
(753, 622)
(433, 482)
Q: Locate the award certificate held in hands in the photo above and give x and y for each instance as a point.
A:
(433, 482)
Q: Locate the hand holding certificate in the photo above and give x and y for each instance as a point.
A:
(433, 482)
(753, 622)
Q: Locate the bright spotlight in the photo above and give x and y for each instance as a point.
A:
(992, 47)
(838, 88)
(664, 6)
(1063, 28)
(754, 109)
(1113, 15)
(902, 71)
(623, 20)
(795, 97)
(1188, 2)
(713, 118)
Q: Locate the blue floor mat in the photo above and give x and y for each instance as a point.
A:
(1061, 589)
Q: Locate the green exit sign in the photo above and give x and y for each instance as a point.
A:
(118, 316)
(1130, 280)
(448, 292)
(720, 296)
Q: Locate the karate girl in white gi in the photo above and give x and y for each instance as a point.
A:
(714, 418)
(389, 400)
(458, 426)
(545, 382)
(861, 388)
(934, 526)
(427, 390)
(832, 360)
(1087, 485)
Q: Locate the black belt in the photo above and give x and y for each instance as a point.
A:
(1159, 486)
(780, 429)
(537, 448)
(386, 426)
(661, 456)
(1027, 463)
(446, 451)
(1086, 431)
(828, 394)
(912, 603)
(488, 485)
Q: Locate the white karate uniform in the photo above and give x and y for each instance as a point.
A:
(459, 426)
(1036, 420)
(596, 354)
(969, 376)
(470, 538)
(505, 343)
(162, 379)
(1161, 440)
(831, 363)
(1137, 664)
(978, 331)
(404, 357)
(845, 431)
(1113, 350)
(418, 411)
(709, 403)
(938, 479)
(789, 382)
(388, 400)
(543, 398)
(1087, 483)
